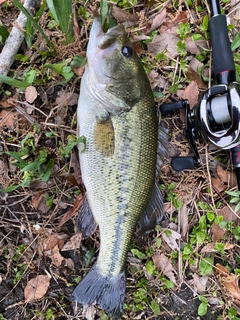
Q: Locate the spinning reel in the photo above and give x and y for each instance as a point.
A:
(216, 118)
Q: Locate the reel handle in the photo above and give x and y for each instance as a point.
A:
(182, 163)
(167, 108)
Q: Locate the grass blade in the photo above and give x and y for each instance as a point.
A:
(34, 23)
(62, 12)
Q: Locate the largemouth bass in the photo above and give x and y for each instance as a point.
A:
(118, 118)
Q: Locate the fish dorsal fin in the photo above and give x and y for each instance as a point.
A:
(154, 212)
(163, 145)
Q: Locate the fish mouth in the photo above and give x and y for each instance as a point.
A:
(99, 40)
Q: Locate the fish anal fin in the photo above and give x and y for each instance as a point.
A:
(85, 222)
(154, 212)
(106, 291)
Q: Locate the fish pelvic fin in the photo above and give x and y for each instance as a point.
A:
(154, 212)
(106, 291)
(85, 222)
(163, 145)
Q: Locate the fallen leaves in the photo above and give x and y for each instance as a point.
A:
(37, 287)
(229, 282)
(68, 215)
(170, 237)
(228, 215)
(31, 94)
(191, 93)
(199, 283)
(162, 263)
(7, 119)
(211, 247)
(165, 41)
(224, 179)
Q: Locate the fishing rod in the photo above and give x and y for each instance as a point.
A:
(216, 117)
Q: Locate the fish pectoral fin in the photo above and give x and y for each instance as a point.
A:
(154, 212)
(104, 137)
(85, 222)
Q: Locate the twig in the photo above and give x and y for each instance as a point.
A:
(16, 37)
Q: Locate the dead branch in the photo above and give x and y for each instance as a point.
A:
(16, 37)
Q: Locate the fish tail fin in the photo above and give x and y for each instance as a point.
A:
(106, 291)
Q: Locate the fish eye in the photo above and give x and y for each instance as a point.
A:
(127, 51)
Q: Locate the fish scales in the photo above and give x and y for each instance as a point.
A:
(118, 118)
(119, 186)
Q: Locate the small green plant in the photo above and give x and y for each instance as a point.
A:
(19, 250)
(49, 315)
(19, 271)
(206, 266)
(72, 141)
(155, 307)
(232, 314)
(61, 68)
(235, 198)
(203, 307)
(172, 196)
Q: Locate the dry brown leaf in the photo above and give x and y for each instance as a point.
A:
(36, 288)
(199, 283)
(194, 47)
(181, 17)
(228, 214)
(79, 71)
(164, 41)
(217, 232)
(122, 15)
(227, 177)
(184, 220)
(68, 215)
(210, 247)
(157, 81)
(39, 202)
(195, 64)
(194, 76)
(228, 280)
(73, 243)
(56, 239)
(56, 256)
(66, 98)
(218, 185)
(7, 118)
(171, 240)
(191, 93)
(157, 21)
(31, 94)
(162, 263)
(7, 103)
